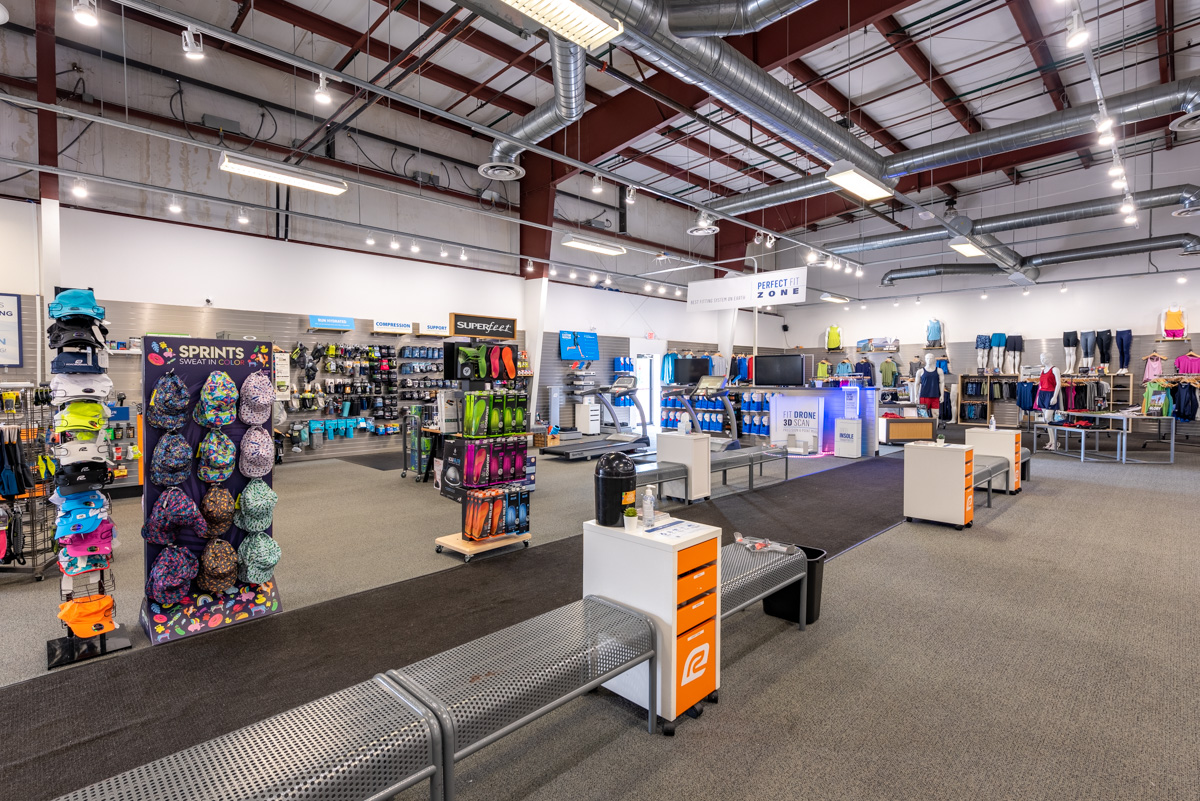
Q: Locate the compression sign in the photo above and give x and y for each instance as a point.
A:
(773, 288)
(10, 331)
(470, 325)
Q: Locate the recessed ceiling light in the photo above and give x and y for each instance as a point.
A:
(193, 43)
(85, 12)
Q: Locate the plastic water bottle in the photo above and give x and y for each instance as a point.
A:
(992, 423)
(648, 507)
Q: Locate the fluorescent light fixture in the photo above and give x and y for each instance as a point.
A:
(463, 256)
(414, 247)
(630, 195)
(321, 95)
(394, 244)
(442, 251)
(592, 246)
(79, 188)
(1106, 139)
(966, 247)
(1077, 33)
(857, 182)
(174, 206)
(597, 185)
(579, 21)
(829, 297)
(811, 257)
(370, 237)
(1116, 170)
(1104, 124)
(529, 265)
(770, 241)
(266, 170)
(572, 275)
(243, 217)
(608, 280)
(85, 12)
(193, 43)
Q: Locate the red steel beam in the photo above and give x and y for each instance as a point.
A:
(345, 60)
(1164, 19)
(47, 122)
(666, 168)
(1035, 40)
(719, 156)
(893, 32)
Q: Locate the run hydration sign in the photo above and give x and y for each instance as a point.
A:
(774, 288)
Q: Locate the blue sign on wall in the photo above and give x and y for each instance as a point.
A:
(575, 345)
(327, 323)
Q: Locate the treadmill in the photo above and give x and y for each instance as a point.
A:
(709, 386)
(621, 442)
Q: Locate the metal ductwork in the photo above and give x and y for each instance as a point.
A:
(1189, 243)
(1187, 195)
(727, 75)
(689, 18)
(1127, 108)
(564, 108)
(891, 276)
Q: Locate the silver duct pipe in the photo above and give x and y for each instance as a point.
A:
(1185, 194)
(727, 17)
(1131, 107)
(1190, 243)
(999, 252)
(564, 108)
(727, 75)
(891, 276)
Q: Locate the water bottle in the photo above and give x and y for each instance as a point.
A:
(992, 423)
(648, 507)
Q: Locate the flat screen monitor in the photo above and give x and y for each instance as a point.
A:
(779, 371)
(690, 371)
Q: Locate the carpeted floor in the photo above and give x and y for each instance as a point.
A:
(379, 461)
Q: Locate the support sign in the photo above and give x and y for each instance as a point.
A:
(774, 288)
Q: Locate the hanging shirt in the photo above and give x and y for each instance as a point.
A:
(844, 368)
(1153, 369)
(1187, 364)
(833, 337)
(933, 332)
(668, 368)
(822, 369)
(719, 365)
(943, 365)
(913, 367)
(888, 371)
(1153, 388)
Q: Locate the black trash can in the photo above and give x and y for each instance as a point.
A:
(616, 488)
(786, 602)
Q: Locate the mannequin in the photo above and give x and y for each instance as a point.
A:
(1174, 322)
(833, 337)
(933, 333)
(998, 343)
(1104, 341)
(1049, 394)
(1070, 344)
(983, 348)
(1087, 345)
(931, 385)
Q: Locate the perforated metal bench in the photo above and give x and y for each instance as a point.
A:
(778, 580)
(988, 468)
(486, 689)
(722, 462)
(365, 743)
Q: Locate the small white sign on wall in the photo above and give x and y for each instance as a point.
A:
(10, 331)
(388, 327)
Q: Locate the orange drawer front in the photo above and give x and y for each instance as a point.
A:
(696, 583)
(691, 558)
(695, 665)
(696, 612)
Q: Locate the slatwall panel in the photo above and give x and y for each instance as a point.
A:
(554, 372)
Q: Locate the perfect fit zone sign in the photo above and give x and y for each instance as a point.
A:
(775, 288)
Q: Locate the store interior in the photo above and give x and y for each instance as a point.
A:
(592, 398)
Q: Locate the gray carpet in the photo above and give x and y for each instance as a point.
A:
(1047, 653)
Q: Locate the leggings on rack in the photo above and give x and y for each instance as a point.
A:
(1124, 347)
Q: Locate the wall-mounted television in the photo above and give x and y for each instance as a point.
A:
(578, 346)
(779, 371)
(689, 371)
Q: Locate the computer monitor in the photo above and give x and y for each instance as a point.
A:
(779, 371)
(690, 371)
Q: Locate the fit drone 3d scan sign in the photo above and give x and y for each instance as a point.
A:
(774, 288)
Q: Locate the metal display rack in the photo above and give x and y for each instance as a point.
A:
(36, 519)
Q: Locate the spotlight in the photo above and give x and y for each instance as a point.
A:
(370, 237)
(918, 300)
(770, 241)
(983, 296)
(863, 307)
(79, 188)
(858, 273)
(597, 185)
(1077, 33)
(766, 308)
(608, 280)
(463, 256)
(442, 251)
(243, 217)
(811, 257)
(553, 270)
(85, 12)
(1104, 124)
(647, 287)
(630, 195)
(1117, 170)
(414, 247)
(394, 244)
(592, 277)
(678, 292)
(1127, 207)
(193, 44)
(846, 308)
(1106, 139)
(1120, 183)
(896, 302)
(529, 265)
(849, 269)
(662, 290)
(1181, 279)
(758, 237)
(1063, 288)
(1025, 291)
(572, 275)
(174, 206)
(321, 95)
(1131, 219)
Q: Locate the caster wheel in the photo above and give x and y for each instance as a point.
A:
(39, 578)
(526, 543)
(958, 528)
(668, 730)
(908, 519)
(970, 524)
(438, 549)
(712, 697)
(403, 474)
(466, 558)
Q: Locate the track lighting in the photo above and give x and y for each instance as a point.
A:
(529, 265)
(553, 270)
(1106, 139)
(849, 269)
(678, 292)
(1025, 291)
(597, 185)
(662, 290)
(896, 302)
(863, 307)
(1063, 288)
(243, 217)
(1131, 219)
(592, 277)
(1181, 279)
(321, 95)
(85, 12)
(1117, 170)
(770, 241)
(79, 188)
(394, 244)
(647, 287)
(193, 43)
(1077, 32)
(983, 296)
(858, 273)
(608, 280)
(414, 247)
(174, 206)
(442, 251)
(630, 195)
(463, 256)
(811, 257)
(1104, 124)
(1127, 207)
(918, 300)
(370, 237)
(1120, 183)
(758, 237)
(766, 308)
(572, 275)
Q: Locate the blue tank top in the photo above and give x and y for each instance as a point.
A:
(930, 386)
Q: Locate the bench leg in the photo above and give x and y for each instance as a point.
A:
(989, 492)
(652, 696)
(804, 602)
(751, 476)
(724, 477)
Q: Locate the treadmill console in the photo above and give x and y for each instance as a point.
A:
(710, 383)
(623, 384)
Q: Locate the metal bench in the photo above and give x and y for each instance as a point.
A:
(661, 472)
(1026, 464)
(778, 580)
(490, 687)
(988, 468)
(365, 743)
(722, 462)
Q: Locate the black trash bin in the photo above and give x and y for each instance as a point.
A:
(786, 602)
(616, 488)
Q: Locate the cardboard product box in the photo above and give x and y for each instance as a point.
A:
(546, 440)
(477, 470)
(523, 513)
(453, 470)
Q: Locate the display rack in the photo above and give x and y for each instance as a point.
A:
(71, 649)
(33, 424)
(1005, 410)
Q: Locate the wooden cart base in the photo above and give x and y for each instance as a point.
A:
(469, 548)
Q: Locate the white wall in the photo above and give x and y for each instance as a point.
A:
(18, 232)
